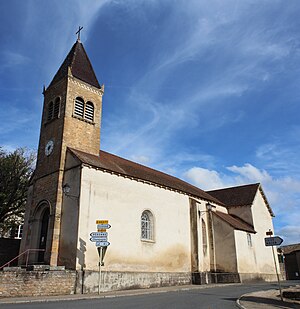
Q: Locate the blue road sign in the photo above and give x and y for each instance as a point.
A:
(98, 234)
(102, 243)
(98, 239)
(103, 226)
(273, 241)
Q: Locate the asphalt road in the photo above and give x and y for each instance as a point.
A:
(223, 297)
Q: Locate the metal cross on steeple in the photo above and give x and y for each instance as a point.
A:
(78, 33)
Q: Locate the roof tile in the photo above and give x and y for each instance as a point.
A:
(235, 222)
(236, 196)
(118, 165)
(80, 65)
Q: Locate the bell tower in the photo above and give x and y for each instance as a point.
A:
(71, 118)
(72, 111)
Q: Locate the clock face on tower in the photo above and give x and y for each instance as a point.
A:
(49, 148)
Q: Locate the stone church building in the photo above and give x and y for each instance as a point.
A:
(164, 231)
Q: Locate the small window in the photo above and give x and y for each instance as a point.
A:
(147, 226)
(56, 108)
(249, 240)
(204, 237)
(79, 107)
(50, 111)
(89, 111)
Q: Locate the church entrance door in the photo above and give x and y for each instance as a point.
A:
(43, 235)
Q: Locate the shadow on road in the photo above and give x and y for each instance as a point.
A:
(277, 303)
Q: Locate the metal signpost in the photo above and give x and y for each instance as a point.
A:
(101, 243)
(274, 241)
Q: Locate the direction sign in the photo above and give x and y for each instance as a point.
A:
(103, 226)
(101, 221)
(98, 234)
(102, 243)
(273, 241)
(98, 239)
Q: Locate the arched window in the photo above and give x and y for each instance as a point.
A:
(56, 108)
(79, 107)
(249, 240)
(204, 237)
(147, 225)
(89, 111)
(50, 111)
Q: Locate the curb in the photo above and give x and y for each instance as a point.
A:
(238, 303)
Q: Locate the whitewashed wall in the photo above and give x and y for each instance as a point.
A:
(122, 201)
(256, 260)
(262, 223)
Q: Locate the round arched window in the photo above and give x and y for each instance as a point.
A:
(147, 225)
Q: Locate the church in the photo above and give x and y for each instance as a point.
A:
(150, 228)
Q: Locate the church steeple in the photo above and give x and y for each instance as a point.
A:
(80, 66)
(71, 119)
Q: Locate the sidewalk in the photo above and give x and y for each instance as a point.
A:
(267, 300)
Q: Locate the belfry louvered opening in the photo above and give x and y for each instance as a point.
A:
(50, 111)
(89, 111)
(56, 108)
(79, 107)
(53, 110)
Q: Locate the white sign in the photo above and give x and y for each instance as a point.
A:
(103, 226)
(102, 243)
(273, 241)
(98, 239)
(98, 234)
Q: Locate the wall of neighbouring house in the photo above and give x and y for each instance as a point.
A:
(292, 265)
(9, 249)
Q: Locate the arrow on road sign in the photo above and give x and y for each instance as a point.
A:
(103, 226)
(98, 239)
(273, 241)
(102, 243)
(98, 234)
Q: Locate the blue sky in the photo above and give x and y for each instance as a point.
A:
(207, 91)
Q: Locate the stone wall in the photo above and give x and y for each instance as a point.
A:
(87, 281)
(37, 283)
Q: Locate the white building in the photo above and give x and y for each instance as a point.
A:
(164, 231)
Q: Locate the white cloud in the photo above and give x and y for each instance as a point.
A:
(140, 159)
(13, 59)
(290, 234)
(204, 178)
(283, 193)
(250, 173)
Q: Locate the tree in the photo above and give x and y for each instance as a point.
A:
(16, 169)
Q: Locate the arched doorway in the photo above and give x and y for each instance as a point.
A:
(43, 234)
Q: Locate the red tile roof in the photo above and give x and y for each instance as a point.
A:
(236, 196)
(117, 165)
(240, 196)
(235, 222)
(80, 66)
(290, 248)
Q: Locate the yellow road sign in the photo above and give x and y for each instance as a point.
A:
(101, 221)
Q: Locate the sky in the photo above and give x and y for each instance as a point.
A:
(207, 91)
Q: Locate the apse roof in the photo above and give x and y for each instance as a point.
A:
(239, 196)
(236, 196)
